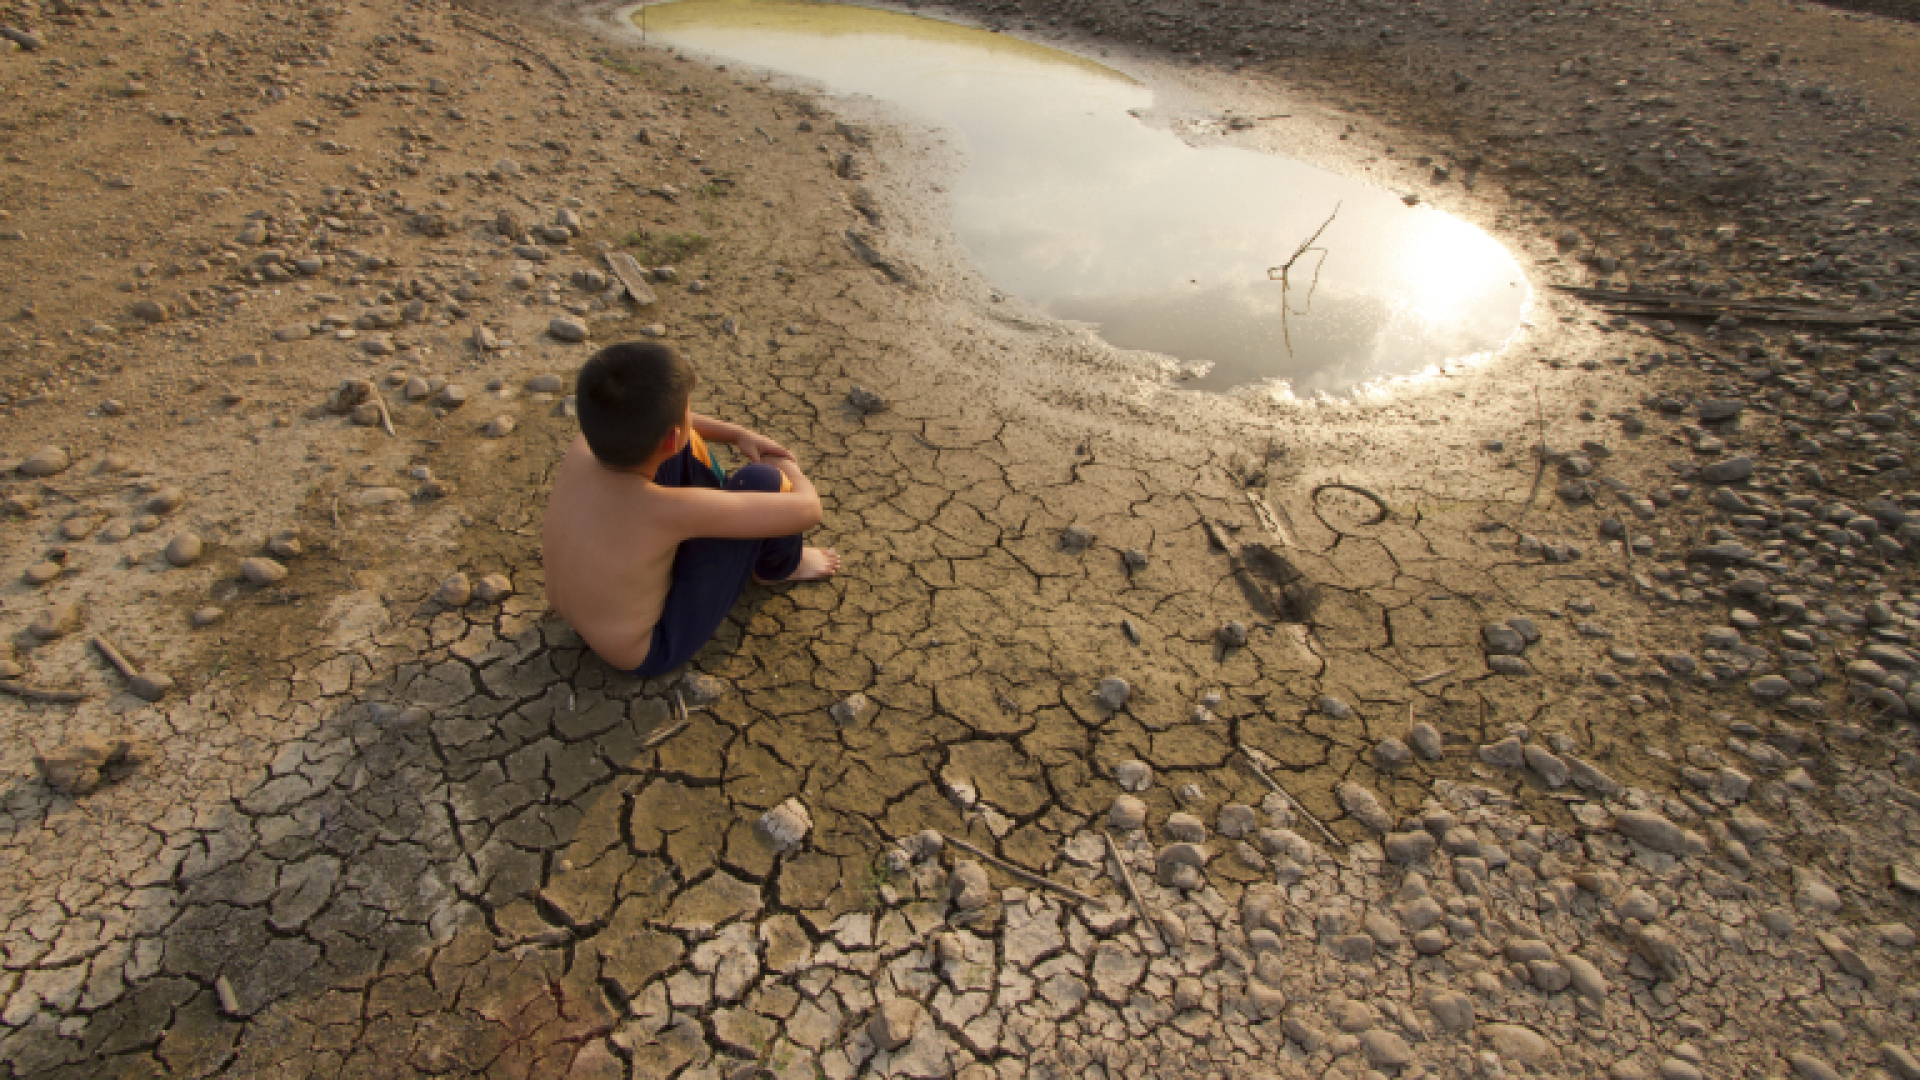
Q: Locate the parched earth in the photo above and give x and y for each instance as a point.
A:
(1601, 751)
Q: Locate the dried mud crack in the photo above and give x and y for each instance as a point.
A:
(1596, 662)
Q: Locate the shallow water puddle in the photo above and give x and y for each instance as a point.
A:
(1071, 203)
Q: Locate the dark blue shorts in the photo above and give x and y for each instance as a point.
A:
(710, 573)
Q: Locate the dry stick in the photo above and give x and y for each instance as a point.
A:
(1022, 873)
(663, 735)
(1261, 771)
(114, 657)
(1539, 473)
(512, 44)
(1435, 677)
(680, 713)
(386, 418)
(37, 693)
(1133, 891)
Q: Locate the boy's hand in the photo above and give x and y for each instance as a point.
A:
(754, 446)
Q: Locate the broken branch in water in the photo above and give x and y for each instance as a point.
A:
(1281, 274)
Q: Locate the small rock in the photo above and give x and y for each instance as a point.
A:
(1185, 828)
(701, 690)
(1364, 805)
(1730, 471)
(1333, 708)
(1658, 833)
(184, 550)
(55, 622)
(262, 571)
(1521, 1044)
(492, 588)
(1410, 847)
(1502, 640)
(1899, 1061)
(46, 461)
(205, 617)
(498, 428)
(80, 766)
(165, 501)
(1509, 754)
(1391, 754)
(895, 1023)
(968, 886)
(150, 686)
(1812, 1068)
(349, 395)
(786, 825)
(545, 384)
(565, 328)
(853, 709)
(1133, 775)
(1112, 693)
(864, 401)
(454, 591)
(1587, 980)
(1233, 635)
(1385, 1050)
(1237, 820)
(1075, 538)
(1426, 740)
(1452, 1011)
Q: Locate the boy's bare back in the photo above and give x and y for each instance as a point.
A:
(611, 536)
(608, 554)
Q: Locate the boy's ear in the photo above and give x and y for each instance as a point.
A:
(670, 442)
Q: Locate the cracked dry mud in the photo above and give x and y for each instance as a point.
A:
(386, 828)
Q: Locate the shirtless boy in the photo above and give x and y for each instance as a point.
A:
(646, 547)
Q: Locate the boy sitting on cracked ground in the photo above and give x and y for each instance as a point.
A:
(647, 544)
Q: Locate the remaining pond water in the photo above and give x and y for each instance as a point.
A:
(1074, 205)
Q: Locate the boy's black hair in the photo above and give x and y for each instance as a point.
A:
(629, 396)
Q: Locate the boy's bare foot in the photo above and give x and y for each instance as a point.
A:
(816, 564)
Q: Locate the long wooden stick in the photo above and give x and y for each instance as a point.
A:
(386, 418)
(36, 693)
(115, 657)
(1020, 872)
(1133, 891)
(663, 735)
(1261, 771)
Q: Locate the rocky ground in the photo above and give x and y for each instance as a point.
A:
(1421, 752)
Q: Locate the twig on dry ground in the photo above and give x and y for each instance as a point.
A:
(663, 735)
(37, 693)
(1133, 891)
(1260, 770)
(1435, 676)
(386, 418)
(1022, 873)
(114, 656)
